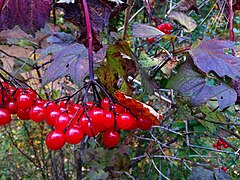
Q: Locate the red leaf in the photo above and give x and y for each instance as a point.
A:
(29, 15)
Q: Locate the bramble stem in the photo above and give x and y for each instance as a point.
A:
(90, 39)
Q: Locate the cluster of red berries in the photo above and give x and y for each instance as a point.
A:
(166, 28)
(71, 121)
(219, 144)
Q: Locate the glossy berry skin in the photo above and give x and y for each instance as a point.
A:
(109, 119)
(161, 27)
(62, 121)
(5, 117)
(168, 26)
(97, 115)
(55, 140)
(88, 128)
(219, 147)
(24, 101)
(74, 135)
(111, 138)
(23, 114)
(144, 123)
(215, 145)
(52, 116)
(150, 40)
(11, 106)
(220, 143)
(224, 168)
(105, 103)
(37, 113)
(125, 121)
(225, 145)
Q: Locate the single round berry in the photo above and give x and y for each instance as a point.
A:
(24, 101)
(144, 123)
(111, 138)
(225, 145)
(55, 140)
(62, 121)
(97, 115)
(219, 147)
(166, 31)
(220, 143)
(224, 168)
(74, 135)
(168, 26)
(150, 40)
(37, 113)
(12, 107)
(109, 119)
(215, 145)
(5, 117)
(105, 103)
(125, 121)
(52, 116)
(161, 27)
(23, 114)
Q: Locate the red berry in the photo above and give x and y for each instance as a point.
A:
(111, 139)
(220, 142)
(55, 140)
(90, 129)
(150, 40)
(161, 27)
(168, 26)
(109, 119)
(5, 117)
(11, 106)
(166, 31)
(50, 106)
(74, 135)
(105, 103)
(24, 101)
(215, 145)
(62, 121)
(224, 168)
(23, 114)
(52, 116)
(97, 115)
(144, 123)
(218, 147)
(125, 121)
(225, 145)
(32, 93)
(37, 113)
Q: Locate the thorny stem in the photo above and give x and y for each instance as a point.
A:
(231, 22)
(90, 39)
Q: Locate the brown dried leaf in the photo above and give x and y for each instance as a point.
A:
(186, 5)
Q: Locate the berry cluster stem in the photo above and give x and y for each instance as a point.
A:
(90, 39)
